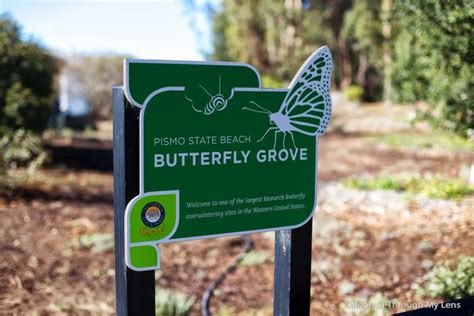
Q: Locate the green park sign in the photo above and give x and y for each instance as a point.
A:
(221, 155)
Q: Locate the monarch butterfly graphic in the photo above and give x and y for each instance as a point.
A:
(306, 108)
(216, 102)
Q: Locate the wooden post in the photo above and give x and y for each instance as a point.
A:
(292, 288)
(135, 291)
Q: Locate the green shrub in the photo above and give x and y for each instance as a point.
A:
(431, 186)
(169, 303)
(433, 60)
(26, 80)
(354, 93)
(20, 149)
(24, 109)
(447, 283)
(26, 97)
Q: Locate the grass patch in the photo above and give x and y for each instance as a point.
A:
(254, 257)
(172, 303)
(431, 186)
(436, 140)
(98, 243)
(447, 282)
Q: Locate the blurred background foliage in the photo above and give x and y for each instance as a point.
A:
(27, 74)
(404, 51)
(393, 51)
(397, 51)
(97, 74)
(30, 93)
(433, 60)
(27, 91)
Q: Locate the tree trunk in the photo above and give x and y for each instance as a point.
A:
(387, 53)
(363, 67)
(346, 67)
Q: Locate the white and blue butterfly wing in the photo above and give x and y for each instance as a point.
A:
(308, 103)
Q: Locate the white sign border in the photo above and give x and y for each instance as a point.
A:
(142, 194)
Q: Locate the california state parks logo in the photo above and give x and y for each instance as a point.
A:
(153, 214)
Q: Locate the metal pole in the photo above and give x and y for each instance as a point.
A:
(292, 287)
(135, 291)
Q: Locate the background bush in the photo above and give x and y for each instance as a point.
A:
(27, 91)
(353, 93)
(21, 148)
(451, 283)
(26, 80)
(433, 60)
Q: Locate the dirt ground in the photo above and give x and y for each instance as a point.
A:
(364, 242)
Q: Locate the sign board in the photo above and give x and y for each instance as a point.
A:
(221, 155)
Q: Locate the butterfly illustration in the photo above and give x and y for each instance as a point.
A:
(216, 102)
(306, 108)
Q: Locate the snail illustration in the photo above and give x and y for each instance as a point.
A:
(216, 102)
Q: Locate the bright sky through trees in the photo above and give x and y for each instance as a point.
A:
(159, 29)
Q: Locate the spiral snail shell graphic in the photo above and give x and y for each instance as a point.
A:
(216, 102)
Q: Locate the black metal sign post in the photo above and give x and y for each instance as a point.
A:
(292, 288)
(135, 291)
